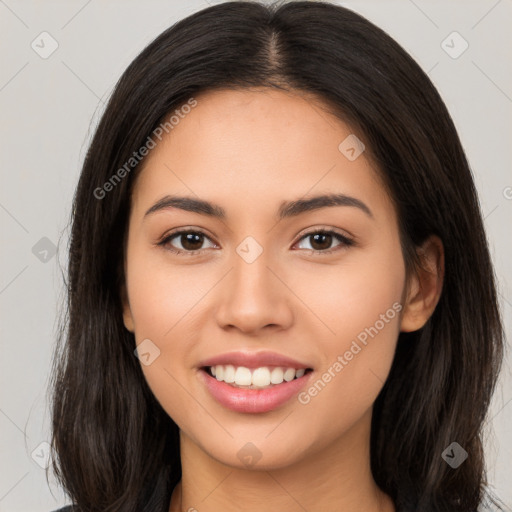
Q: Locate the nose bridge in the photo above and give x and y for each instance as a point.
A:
(251, 277)
(254, 297)
(250, 274)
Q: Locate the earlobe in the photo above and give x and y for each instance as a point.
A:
(425, 286)
(127, 312)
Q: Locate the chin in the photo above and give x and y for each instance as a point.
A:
(256, 452)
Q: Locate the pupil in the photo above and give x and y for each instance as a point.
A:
(324, 236)
(190, 239)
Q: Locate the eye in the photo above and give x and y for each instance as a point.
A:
(190, 241)
(322, 239)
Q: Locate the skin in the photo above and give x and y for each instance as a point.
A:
(248, 151)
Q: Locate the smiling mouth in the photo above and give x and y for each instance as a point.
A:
(254, 378)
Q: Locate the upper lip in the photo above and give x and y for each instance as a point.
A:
(254, 360)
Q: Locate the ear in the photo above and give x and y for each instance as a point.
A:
(127, 312)
(424, 286)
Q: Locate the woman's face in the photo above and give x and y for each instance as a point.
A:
(251, 282)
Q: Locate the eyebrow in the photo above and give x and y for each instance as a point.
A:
(287, 209)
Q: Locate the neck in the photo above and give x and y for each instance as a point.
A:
(336, 477)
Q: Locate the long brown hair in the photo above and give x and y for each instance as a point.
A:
(115, 448)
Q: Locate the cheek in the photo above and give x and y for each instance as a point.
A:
(165, 301)
(346, 387)
(162, 295)
(363, 312)
(356, 359)
(351, 296)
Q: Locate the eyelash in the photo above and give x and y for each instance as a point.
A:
(345, 241)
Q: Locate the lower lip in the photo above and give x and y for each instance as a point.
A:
(253, 400)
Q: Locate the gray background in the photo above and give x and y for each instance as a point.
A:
(50, 107)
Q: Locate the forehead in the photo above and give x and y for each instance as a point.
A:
(256, 147)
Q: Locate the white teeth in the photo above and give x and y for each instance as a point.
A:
(289, 374)
(276, 377)
(229, 373)
(256, 378)
(243, 376)
(261, 377)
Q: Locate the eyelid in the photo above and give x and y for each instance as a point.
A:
(164, 240)
(344, 239)
(325, 229)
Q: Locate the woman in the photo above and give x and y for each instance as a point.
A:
(280, 290)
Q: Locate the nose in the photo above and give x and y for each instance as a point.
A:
(253, 297)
